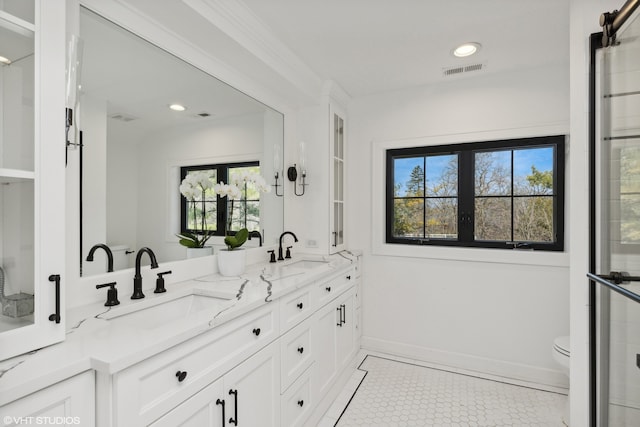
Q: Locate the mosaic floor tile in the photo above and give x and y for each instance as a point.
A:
(395, 394)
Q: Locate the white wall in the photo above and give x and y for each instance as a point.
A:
(499, 313)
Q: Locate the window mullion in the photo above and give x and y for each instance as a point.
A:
(466, 193)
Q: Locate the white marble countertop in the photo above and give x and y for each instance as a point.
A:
(94, 342)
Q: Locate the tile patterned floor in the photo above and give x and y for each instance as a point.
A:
(394, 394)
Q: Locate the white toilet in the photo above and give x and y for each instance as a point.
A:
(561, 352)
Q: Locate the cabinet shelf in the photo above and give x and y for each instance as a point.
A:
(16, 25)
(15, 175)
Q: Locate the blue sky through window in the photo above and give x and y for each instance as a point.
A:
(524, 159)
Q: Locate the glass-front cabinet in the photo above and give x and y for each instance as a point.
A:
(32, 89)
(337, 185)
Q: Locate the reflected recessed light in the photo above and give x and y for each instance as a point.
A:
(177, 107)
(466, 49)
(4, 60)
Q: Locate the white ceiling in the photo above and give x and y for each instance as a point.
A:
(370, 46)
(366, 46)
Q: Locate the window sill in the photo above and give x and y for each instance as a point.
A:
(495, 256)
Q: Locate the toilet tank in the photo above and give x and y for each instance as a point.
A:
(120, 256)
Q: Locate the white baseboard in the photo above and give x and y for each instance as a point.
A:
(493, 369)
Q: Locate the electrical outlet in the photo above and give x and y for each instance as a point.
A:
(311, 243)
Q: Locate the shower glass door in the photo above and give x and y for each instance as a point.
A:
(618, 227)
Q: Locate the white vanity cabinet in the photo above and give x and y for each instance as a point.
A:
(246, 396)
(32, 161)
(143, 392)
(69, 402)
(334, 336)
(268, 367)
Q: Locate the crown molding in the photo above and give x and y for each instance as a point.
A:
(331, 89)
(236, 20)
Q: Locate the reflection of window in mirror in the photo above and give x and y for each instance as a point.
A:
(203, 209)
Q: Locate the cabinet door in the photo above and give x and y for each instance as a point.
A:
(32, 100)
(208, 408)
(334, 336)
(252, 390)
(345, 338)
(324, 335)
(70, 402)
(336, 184)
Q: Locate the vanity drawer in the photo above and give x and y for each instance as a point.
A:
(297, 353)
(154, 386)
(295, 307)
(329, 289)
(297, 403)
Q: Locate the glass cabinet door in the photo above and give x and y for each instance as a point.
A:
(17, 49)
(337, 176)
(29, 278)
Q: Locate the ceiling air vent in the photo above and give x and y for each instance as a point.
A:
(452, 71)
(123, 117)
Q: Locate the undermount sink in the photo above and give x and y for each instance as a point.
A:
(307, 264)
(158, 313)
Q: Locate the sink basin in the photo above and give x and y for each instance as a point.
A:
(155, 315)
(307, 264)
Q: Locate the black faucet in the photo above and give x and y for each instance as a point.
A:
(256, 233)
(107, 250)
(280, 257)
(137, 279)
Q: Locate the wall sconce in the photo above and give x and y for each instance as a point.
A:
(276, 168)
(292, 172)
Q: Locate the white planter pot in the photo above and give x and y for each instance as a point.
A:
(198, 252)
(232, 263)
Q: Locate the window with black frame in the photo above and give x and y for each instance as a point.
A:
(226, 212)
(494, 194)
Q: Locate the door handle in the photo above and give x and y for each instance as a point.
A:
(224, 417)
(55, 317)
(234, 420)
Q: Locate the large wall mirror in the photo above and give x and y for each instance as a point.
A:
(134, 146)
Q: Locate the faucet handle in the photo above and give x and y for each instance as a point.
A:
(160, 282)
(288, 254)
(112, 294)
(273, 255)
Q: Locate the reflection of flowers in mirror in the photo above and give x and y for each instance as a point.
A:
(248, 177)
(241, 179)
(195, 184)
(224, 190)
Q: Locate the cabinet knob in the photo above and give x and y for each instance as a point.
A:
(300, 403)
(256, 331)
(300, 305)
(349, 277)
(328, 288)
(300, 350)
(181, 375)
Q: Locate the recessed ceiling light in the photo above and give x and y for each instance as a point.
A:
(177, 107)
(4, 60)
(466, 49)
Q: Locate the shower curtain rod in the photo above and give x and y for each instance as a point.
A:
(612, 21)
